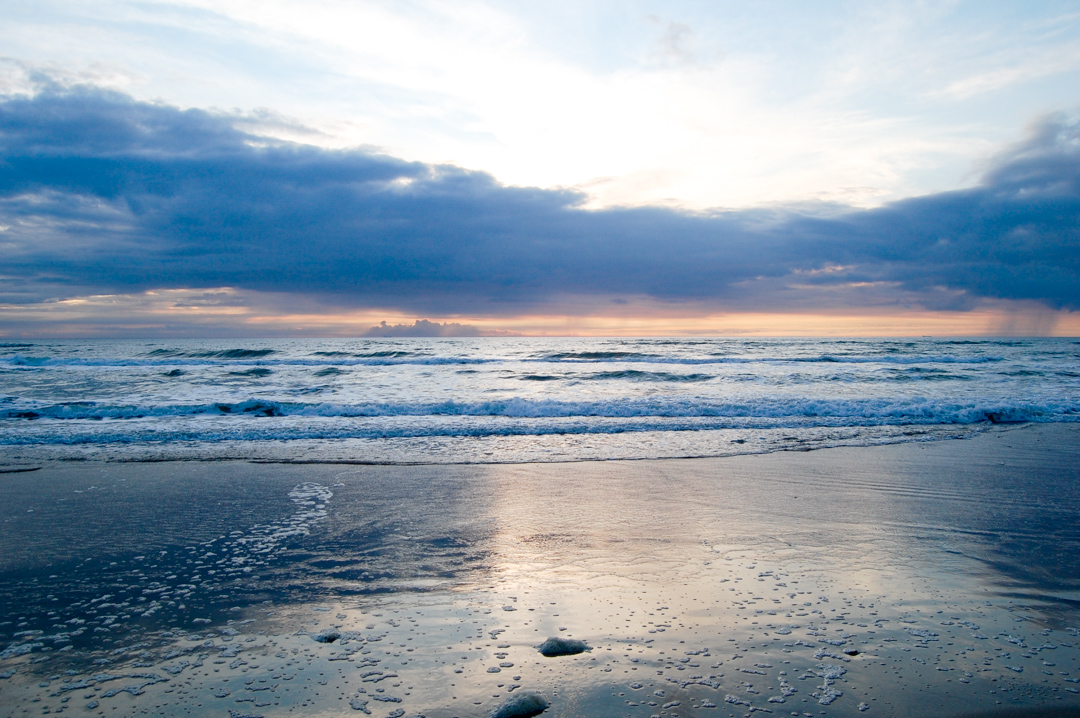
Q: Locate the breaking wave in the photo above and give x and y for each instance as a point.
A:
(193, 392)
(855, 411)
(259, 357)
(220, 354)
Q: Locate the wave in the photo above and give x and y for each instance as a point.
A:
(30, 361)
(220, 354)
(918, 374)
(616, 357)
(262, 430)
(851, 411)
(635, 375)
(394, 354)
(625, 374)
(257, 372)
(255, 357)
(596, 356)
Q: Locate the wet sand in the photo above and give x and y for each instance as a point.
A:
(934, 579)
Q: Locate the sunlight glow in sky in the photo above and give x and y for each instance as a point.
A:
(700, 104)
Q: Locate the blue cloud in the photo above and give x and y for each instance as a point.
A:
(100, 193)
(423, 328)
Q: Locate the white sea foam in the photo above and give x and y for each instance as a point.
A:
(208, 393)
(853, 411)
(19, 360)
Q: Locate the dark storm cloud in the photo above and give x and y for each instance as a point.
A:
(102, 194)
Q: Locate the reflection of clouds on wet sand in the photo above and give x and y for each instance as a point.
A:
(875, 580)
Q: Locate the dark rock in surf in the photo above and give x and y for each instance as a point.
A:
(562, 647)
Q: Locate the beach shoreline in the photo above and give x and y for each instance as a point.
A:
(785, 560)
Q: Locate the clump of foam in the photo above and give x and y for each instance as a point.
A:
(561, 647)
(828, 695)
(521, 705)
(828, 674)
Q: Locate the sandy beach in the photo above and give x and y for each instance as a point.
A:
(934, 578)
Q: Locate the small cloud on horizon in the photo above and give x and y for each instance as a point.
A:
(425, 328)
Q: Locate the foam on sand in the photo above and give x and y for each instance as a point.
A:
(521, 705)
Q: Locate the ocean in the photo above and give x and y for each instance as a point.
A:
(502, 400)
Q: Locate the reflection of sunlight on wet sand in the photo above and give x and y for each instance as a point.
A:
(861, 572)
(582, 524)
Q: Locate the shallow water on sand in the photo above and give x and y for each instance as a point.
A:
(930, 579)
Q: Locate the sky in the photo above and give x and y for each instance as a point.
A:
(235, 168)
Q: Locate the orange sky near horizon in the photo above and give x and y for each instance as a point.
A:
(974, 323)
(228, 312)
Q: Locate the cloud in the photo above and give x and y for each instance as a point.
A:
(423, 328)
(675, 44)
(101, 194)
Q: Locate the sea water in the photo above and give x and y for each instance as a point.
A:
(503, 400)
